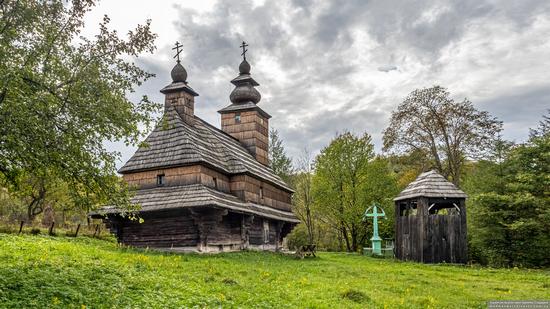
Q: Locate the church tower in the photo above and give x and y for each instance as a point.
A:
(179, 94)
(243, 119)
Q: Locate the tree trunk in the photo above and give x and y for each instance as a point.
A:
(353, 239)
(35, 206)
(345, 236)
(309, 225)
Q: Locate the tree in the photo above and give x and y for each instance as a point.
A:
(510, 212)
(544, 127)
(381, 187)
(63, 95)
(280, 163)
(430, 121)
(348, 178)
(303, 195)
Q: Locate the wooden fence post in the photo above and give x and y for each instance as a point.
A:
(51, 228)
(21, 227)
(77, 229)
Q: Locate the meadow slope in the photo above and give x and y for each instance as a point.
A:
(43, 271)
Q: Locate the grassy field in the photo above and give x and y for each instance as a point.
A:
(42, 271)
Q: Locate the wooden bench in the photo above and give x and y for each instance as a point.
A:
(306, 250)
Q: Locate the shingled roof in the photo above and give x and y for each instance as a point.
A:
(175, 142)
(430, 184)
(162, 198)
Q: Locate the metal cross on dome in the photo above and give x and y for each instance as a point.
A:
(243, 46)
(178, 49)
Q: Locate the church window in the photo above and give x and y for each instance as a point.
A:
(238, 118)
(261, 121)
(261, 192)
(160, 180)
(215, 183)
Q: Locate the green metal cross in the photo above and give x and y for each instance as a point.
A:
(376, 240)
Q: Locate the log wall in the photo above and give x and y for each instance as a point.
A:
(257, 232)
(159, 230)
(202, 229)
(227, 232)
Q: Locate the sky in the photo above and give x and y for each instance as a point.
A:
(325, 67)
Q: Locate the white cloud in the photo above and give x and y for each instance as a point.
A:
(328, 66)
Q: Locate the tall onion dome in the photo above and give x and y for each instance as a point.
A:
(244, 91)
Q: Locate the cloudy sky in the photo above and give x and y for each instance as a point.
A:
(329, 66)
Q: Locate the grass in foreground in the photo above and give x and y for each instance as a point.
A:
(42, 271)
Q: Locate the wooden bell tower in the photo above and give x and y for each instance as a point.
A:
(243, 119)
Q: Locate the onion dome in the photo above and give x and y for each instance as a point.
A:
(179, 74)
(245, 96)
(244, 91)
(179, 81)
(244, 67)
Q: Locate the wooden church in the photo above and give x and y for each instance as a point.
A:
(201, 188)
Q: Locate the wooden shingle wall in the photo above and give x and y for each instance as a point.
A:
(178, 176)
(247, 188)
(184, 104)
(252, 131)
(207, 178)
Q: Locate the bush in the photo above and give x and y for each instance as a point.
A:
(298, 237)
(35, 231)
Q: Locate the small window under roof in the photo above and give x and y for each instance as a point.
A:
(160, 180)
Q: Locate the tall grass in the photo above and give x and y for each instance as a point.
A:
(65, 272)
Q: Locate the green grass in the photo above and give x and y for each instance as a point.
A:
(64, 272)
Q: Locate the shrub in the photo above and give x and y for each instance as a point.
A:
(298, 237)
(35, 231)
